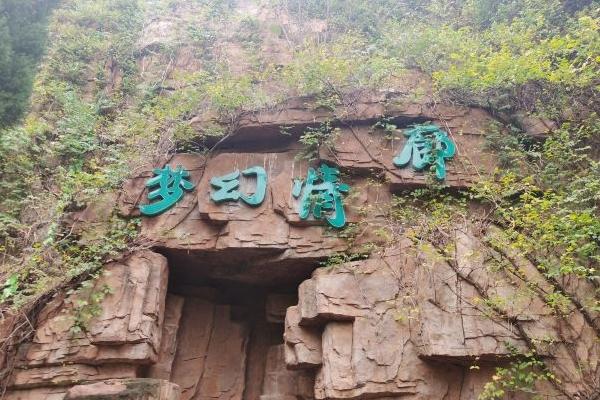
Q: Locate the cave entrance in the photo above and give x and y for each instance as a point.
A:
(224, 339)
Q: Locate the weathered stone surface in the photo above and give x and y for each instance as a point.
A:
(366, 350)
(474, 380)
(451, 325)
(168, 343)
(52, 393)
(70, 374)
(282, 168)
(9, 322)
(361, 149)
(158, 32)
(193, 339)
(344, 293)
(579, 289)
(282, 384)
(406, 324)
(276, 305)
(302, 343)
(203, 229)
(262, 336)
(534, 126)
(126, 389)
(91, 224)
(223, 375)
(128, 328)
(375, 358)
(125, 334)
(401, 103)
(568, 338)
(383, 319)
(211, 353)
(198, 231)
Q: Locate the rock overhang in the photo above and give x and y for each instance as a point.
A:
(199, 232)
(390, 325)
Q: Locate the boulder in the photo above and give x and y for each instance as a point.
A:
(128, 328)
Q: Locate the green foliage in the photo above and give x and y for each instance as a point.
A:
(66, 132)
(64, 257)
(229, 94)
(86, 303)
(315, 138)
(506, 55)
(75, 130)
(344, 64)
(203, 39)
(63, 156)
(520, 376)
(10, 288)
(97, 118)
(342, 258)
(17, 162)
(560, 303)
(508, 143)
(515, 54)
(22, 39)
(430, 213)
(531, 56)
(364, 17)
(387, 126)
(549, 209)
(249, 32)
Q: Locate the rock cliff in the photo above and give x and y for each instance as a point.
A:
(239, 301)
(231, 301)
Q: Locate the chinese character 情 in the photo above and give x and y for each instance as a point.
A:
(227, 187)
(170, 189)
(322, 195)
(426, 145)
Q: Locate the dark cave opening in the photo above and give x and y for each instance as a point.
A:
(227, 335)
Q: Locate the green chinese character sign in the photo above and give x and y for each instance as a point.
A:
(426, 145)
(322, 195)
(227, 187)
(171, 185)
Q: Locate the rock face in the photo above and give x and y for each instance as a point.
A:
(382, 321)
(198, 229)
(123, 337)
(231, 302)
(283, 384)
(138, 389)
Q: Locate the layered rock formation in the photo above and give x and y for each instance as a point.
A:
(226, 301)
(230, 301)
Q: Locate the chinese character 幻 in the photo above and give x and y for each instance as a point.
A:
(227, 187)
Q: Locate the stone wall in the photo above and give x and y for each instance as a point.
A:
(230, 301)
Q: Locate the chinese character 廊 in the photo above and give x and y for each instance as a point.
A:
(426, 145)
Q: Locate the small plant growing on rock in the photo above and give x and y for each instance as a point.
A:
(520, 376)
(315, 138)
(86, 303)
(387, 126)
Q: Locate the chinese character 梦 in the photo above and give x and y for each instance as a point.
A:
(171, 185)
